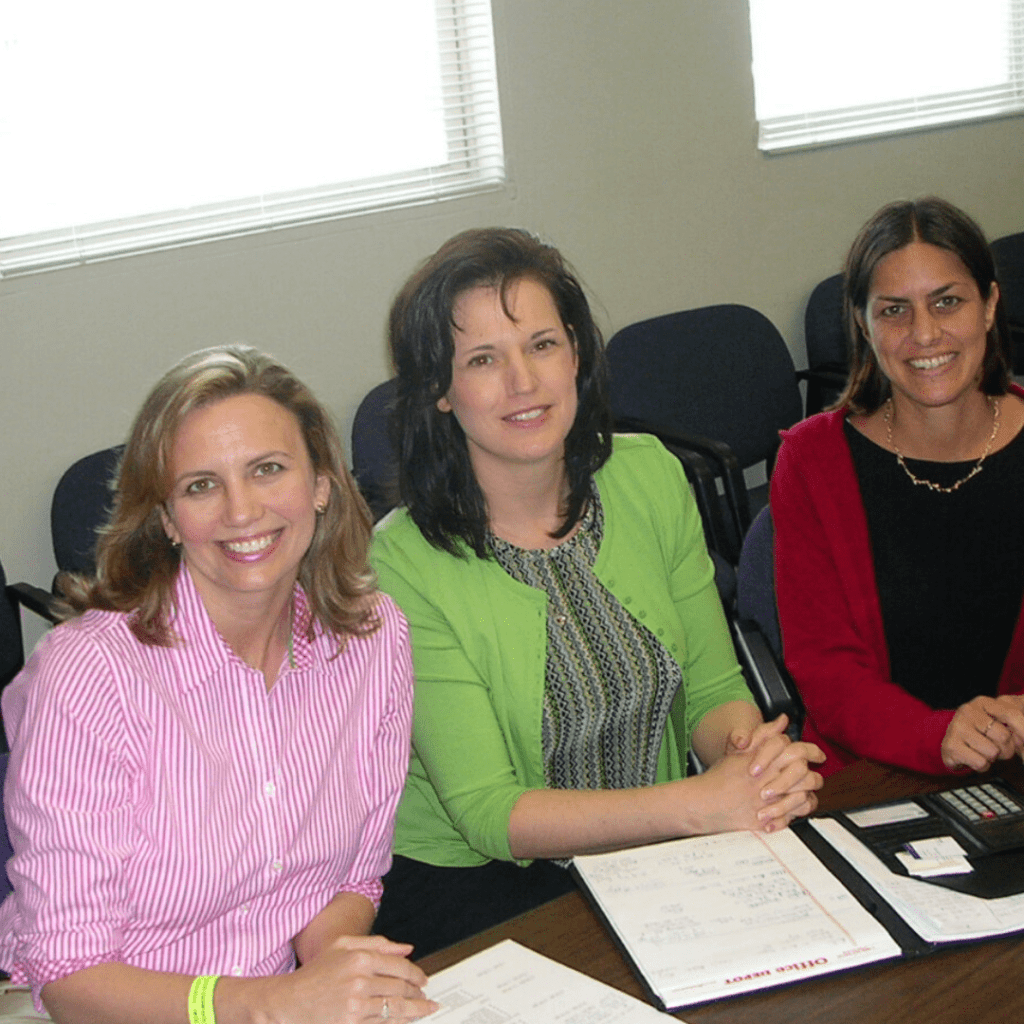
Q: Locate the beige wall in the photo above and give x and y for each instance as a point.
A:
(631, 144)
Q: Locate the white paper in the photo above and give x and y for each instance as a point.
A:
(510, 984)
(889, 814)
(937, 914)
(936, 848)
(721, 915)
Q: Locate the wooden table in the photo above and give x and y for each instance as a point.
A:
(982, 983)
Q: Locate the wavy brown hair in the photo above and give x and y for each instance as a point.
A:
(136, 565)
(435, 476)
(939, 223)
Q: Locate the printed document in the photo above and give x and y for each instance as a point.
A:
(510, 984)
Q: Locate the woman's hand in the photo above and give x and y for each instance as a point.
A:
(763, 782)
(782, 768)
(983, 731)
(355, 978)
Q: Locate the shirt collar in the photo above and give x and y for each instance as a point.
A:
(200, 649)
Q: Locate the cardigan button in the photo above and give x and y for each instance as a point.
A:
(642, 614)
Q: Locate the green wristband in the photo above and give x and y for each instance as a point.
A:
(200, 1000)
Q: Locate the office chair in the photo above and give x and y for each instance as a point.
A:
(374, 461)
(756, 630)
(1008, 253)
(82, 502)
(14, 597)
(825, 336)
(717, 380)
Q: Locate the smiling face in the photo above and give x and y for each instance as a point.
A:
(242, 500)
(513, 386)
(927, 323)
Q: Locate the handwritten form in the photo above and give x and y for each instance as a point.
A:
(510, 984)
(935, 913)
(719, 915)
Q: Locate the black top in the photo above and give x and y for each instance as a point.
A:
(949, 567)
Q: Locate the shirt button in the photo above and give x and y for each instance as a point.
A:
(236, 970)
(627, 600)
(642, 614)
(244, 908)
(269, 788)
(560, 619)
(276, 865)
(661, 632)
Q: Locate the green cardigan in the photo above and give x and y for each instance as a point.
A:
(480, 651)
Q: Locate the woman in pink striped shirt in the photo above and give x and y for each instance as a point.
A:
(206, 759)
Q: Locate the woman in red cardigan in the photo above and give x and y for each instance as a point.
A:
(899, 515)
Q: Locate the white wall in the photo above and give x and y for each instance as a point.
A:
(631, 144)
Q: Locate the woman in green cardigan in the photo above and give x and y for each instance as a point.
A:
(569, 644)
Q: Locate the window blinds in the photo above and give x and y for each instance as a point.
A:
(826, 72)
(403, 99)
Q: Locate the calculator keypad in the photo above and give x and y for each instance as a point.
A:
(981, 803)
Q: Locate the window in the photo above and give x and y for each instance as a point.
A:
(825, 72)
(129, 126)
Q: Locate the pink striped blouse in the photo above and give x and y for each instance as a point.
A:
(166, 811)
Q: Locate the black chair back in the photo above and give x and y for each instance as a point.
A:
(721, 374)
(374, 461)
(827, 356)
(755, 580)
(12, 651)
(82, 502)
(1008, 253)
(756, 627)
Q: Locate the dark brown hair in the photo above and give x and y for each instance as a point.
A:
(436, 478)
(936, 222)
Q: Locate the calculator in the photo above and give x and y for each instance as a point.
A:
(988, 811)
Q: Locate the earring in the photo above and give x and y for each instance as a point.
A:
(320, 509)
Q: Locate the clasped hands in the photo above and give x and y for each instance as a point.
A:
(983, 731)
(765, 780)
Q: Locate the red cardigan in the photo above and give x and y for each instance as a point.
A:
(833, 636)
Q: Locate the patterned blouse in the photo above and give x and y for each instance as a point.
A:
(609, 682)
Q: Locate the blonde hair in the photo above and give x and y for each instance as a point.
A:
(136, 565)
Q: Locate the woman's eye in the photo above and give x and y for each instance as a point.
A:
(546, 343)
(202, 486)
(948, 302)
(888, 312)
(480, 360)
(268, 468)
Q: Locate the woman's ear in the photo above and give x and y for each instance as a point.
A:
(443, 404)
(990, 305)
(169, 528)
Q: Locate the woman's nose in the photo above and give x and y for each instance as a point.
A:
(927, 329)
(242, 505)
(521, 378)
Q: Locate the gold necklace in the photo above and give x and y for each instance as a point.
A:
(930, 484)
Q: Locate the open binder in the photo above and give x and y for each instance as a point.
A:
(709, 917)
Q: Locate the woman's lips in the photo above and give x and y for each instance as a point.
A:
(251, 549)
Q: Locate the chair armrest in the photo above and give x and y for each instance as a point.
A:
(722, 462)
(769, 682)
(35, 599)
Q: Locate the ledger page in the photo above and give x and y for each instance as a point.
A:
(712, 916)
(510, 984)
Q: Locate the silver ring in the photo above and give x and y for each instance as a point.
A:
(385, 1011)
(991, 722)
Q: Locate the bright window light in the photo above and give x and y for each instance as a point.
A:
(824, 72)
(128, 126)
